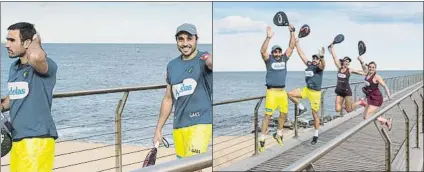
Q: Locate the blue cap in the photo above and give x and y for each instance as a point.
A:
(186, 27)
(276, 47)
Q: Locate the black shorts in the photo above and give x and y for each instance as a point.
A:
(343, 92)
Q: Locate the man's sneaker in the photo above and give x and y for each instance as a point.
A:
(261, 146)
(363, 103)
(301, 111)
(389, 123)
(314, 140)
(278, 138)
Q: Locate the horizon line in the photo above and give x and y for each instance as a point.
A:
(324, 71)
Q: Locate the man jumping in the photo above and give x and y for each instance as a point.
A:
(313, 77)
(276, 96)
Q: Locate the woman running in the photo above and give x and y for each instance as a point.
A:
(373, 94)
(343, 91)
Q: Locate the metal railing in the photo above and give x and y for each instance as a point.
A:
(204, 161)
(307, 161)
(192, 163)
(394, 83)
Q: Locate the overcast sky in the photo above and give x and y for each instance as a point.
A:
(392, 32)
(109, 22)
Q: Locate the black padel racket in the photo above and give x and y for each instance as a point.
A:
(337, 40)
(304, 31)
(151, 156)
(361, 48)
(280, 19)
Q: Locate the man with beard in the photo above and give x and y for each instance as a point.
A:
(276, 96)
(313, 76)
(31, 81)
(189, 89)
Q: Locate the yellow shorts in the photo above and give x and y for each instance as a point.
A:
(276, 98)
(313, 96)
(192, 140)
(34, 154)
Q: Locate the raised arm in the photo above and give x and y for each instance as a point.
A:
(292, 42)
(36, 56)
(209, 61)
(333, 53)
(300, 52)
(358, 72)
(321, 54)
(364, 68)
(382, 83)
(269, 34)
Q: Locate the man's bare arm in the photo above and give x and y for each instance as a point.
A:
(209, 62)
(292, 42)
(36, 56)
(300, 52)
(265, 45)
(165, 109)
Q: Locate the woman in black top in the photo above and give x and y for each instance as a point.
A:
(343, 91)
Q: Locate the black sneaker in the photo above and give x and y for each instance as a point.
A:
(314, 140)
(302, 111)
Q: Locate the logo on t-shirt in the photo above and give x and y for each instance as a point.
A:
(18, 90)
(309, 73)
(278, 65)
(341, 75)
(185, 88)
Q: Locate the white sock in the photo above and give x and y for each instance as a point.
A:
(316, 133)
(262, 138)
(300, 106)
(280, 132)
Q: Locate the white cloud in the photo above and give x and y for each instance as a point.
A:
(394, 46)
(109, 22)
(238, 24)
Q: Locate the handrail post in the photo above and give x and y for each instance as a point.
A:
(296, 117)
(256, 125)
(388, 146)
(118, 134)
(322, 107)
(405, 115)
(417, 128)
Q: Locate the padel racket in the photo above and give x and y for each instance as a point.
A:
(6, 136)
(361, 48)
(151, 156)
(304, 31)
(337, 40)
(280, 19)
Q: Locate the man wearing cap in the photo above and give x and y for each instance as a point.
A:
(32, 78)
(189, 89)
(276, 96)
(343, 91)
(313, 77)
